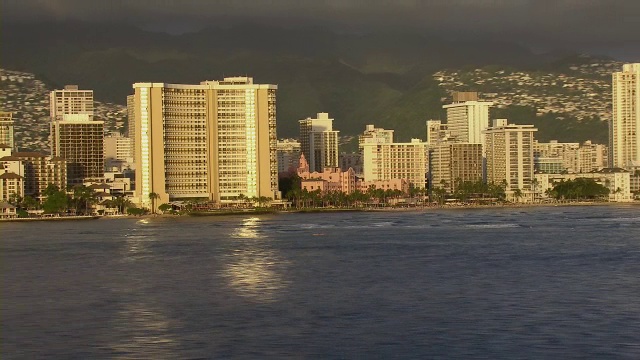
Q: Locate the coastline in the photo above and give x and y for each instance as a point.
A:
(320, 210)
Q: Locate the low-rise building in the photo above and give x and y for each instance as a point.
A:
(331, 179)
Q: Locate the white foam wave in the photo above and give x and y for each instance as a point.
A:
(491, 226)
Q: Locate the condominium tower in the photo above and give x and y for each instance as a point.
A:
(319, 142)
(216, 140)
(6, 129)
(509, 152)
(388, 161)
(467, 117)
(75, 135)
(450, 163)
(624, 129)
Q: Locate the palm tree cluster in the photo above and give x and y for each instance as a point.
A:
(578, 189)
(302, 198)
(76, 200)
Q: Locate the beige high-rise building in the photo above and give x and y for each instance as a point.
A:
(451, 162)
(509, 153)
(319, 142)
(6, 129)
(592, 157)
(436, 132)
(117, 151)
(387, 161)
(376, 135)
(75, 135)
(216, 140)
(467, 119)
(131, 122)
(71, 101)
(624, 129)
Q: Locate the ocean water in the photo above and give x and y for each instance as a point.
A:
(511, 283)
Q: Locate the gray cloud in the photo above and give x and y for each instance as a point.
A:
(581, 24)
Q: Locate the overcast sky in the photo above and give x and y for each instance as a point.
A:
(605, 26)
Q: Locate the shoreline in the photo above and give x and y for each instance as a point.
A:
(223, 213)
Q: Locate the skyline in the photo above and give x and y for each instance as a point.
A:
(596, 27)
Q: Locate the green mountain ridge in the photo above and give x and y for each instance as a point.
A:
(382, 79)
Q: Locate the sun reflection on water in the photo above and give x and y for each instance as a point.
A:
(254, 269)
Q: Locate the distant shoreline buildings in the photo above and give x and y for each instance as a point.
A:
(216, 141)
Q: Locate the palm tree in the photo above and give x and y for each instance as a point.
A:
(153, 197)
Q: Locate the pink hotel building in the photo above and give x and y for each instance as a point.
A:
(334, 179)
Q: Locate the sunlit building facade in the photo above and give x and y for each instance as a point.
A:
(509, 152)
(216, 140)
(386, 161)
(624, 129)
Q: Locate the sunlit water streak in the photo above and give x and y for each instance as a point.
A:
(557, 282)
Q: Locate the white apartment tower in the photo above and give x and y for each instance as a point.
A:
(75, 135)
(376, 135)
(215, 140)
(467, 117)
(509, 152)
(319, 142)
(624, 129)
(6, 129)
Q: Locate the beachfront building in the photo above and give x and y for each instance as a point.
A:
(617, 180)
(451, 163)
(11, 186)
(509, 154)
(288, 155)
(387, 161)
(557, 157)
(39, 171)
(624, 127)
(6, 129)
(328, 180)
(319, 142)
(75, 135)
(215, 140)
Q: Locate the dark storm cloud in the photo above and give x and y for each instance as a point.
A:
(581, 23)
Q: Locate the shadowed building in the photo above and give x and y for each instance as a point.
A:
(6, 129)
(75, 135)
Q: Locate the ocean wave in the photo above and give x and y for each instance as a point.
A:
(491, 226)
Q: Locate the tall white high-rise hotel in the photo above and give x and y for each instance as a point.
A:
(214, 140)
(624, 129)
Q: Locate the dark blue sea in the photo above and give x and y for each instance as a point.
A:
(509, 283)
